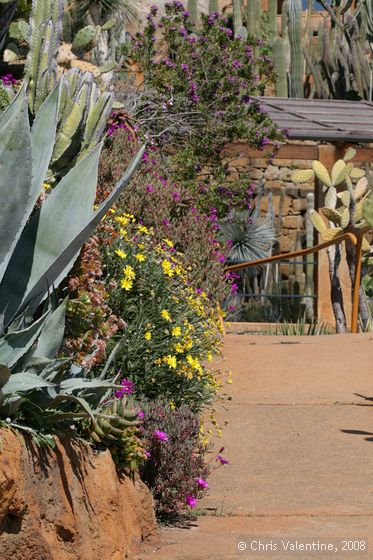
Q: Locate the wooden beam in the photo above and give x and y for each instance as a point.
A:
(286, 151)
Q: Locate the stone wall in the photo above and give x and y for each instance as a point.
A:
(68, 503)
(289, 200)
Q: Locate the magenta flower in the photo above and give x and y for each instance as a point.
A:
(140, 415)
(128, 388)
(191, 501)
(161, 436)
(222, 460)
(202, 483)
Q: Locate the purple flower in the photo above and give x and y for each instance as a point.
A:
(264, 141)
(176, 196)
(150, 189)
(140, 415)
(237, 64)
(222, 460)
(202, 483)
(147, 453)
(191, 501)
(234, 288)
(128, 388)
(161, 436)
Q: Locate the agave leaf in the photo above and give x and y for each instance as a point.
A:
(350, 154)
(15, 175)
(24, 382)
(60, 266)
(338, 172)
(51, 335)
(331, 197)
(332, 215)
(357, 173)
(321, 173)
(331, 233)
(318, 222)
(361, 188)
(64, 214)
(68, 386)
(14, 345)
(345, 218)
(42, 140)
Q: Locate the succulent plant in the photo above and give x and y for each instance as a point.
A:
(85, 39)
(344, 212)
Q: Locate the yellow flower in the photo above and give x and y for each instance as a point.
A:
(167, 268)
(176, 331)
(172, 405)
(209, 356)
(129, 273)
(46, 186)
(148, 335)
(168, 242)
(219, 433)
(171, 361)
(179, 349)
(158, 362)
(120, 253)
(140, 257)
(123, 221)
(126, 284)
(142, 229)
(165, 315)
(141, 246)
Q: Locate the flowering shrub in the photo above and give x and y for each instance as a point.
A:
(200, 88)
(170, 210)
(171, 327)
(8, 87)
(176, 469)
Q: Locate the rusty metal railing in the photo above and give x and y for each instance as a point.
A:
(356, 240)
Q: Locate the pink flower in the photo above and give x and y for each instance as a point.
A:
(191, 501)
(162, 436)
(140, 415)
(202, 483)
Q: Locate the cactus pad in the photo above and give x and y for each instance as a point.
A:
(338, 172)
(85, 39)
(302, 175)
(318, 222)
(321, 173)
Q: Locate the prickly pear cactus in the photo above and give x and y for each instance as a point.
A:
(86, 39)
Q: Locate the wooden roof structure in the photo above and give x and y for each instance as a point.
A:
(326, 120)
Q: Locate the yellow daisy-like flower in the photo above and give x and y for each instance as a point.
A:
(129, 273)
(176, 331)
(172, 405)
(158, 361)
(167, 268)
(171, 361)
(209, 356)
(148, 335)
(165, 315)
(46, 186)
(140, 257)
(168, 242)
(142, 229)
(120, 253)
(126, 284)
(179, 348)
(141, 246)
(123, 221)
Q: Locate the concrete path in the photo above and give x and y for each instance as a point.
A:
(300, 446)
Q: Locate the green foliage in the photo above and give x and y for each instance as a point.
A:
(300, 328)
(200, 88)
(171, 328)
(85, 39)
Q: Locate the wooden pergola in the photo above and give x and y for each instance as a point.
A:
(332, 126)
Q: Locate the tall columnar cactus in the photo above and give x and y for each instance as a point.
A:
(279, 63)
(213, 6)
(193, 10)
(344, 212)
(237, 18)
(272, 19)
(296, 48)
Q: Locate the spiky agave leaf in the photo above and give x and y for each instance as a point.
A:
(251, 240)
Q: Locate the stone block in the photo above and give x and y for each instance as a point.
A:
(299, 205)
(271, 172)
(276, 205)
(301, 164)
(242, 162)
(286, 243)
(255, 174)
(274, 186)
(293, 222)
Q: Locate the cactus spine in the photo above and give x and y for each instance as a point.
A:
(295, 38)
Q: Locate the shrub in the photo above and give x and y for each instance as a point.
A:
(200, 94)
(176, 468)
(172, 328)
(170, 210)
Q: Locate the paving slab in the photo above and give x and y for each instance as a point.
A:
(299, 442)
